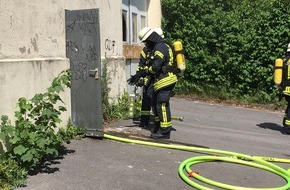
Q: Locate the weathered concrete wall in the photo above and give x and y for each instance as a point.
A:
(32, 51)
(25, 78)
(30, 29)
(117, 79)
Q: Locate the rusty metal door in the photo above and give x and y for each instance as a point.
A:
(83, 50)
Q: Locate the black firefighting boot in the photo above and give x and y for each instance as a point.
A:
(286, 126)
(156, 127)
(162, 133)
(144, 122)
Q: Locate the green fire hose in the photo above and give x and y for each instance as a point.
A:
(263, 163)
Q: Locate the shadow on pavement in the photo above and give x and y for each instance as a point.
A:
(48, 165)
(275, 127)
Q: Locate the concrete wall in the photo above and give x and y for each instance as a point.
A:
(30, 29)
(32, 50)
(154, 14)
(25, 78)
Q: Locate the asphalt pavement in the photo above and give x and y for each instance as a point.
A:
(106, 164)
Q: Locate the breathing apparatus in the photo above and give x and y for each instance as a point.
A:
(281, 68)
(278, 71)
(179, 55)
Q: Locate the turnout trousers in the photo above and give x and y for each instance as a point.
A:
(146, 104)
(161, 109)
(286, 120)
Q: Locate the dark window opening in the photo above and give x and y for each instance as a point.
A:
(124, 25)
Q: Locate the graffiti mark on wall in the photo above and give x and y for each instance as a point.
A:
(81, 45)
(91, 53)
(110, 44)
(87, 22)
(89, 16)
(71, 46)
(70, 27)
(87, 28)
(79, 71)
(34, 43)
(22, 49)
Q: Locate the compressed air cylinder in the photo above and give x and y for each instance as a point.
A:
(180, 60)
(278, 71)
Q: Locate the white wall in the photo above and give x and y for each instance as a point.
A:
(25, 78)
(154, 14)
(32, 50)
(30, 29)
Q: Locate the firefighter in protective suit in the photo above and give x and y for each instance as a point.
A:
(286, 88)
(147, 88)
(147, 83)
(164, 81)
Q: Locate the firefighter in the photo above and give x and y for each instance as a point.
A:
(164, 81)
(286, 88)
(147, 83)
(147, 89)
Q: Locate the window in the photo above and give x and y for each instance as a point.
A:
(143, 21)
(134, 27)
(124, 25)
(134, 18)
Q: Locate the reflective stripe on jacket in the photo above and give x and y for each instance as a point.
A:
(163, 59)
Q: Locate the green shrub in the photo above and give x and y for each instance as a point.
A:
(70, 132)
(32, 138)
(229, 44)
(11, 174)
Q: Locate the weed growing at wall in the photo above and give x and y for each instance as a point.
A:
(33, 138)
(116, 109)
(105, 82)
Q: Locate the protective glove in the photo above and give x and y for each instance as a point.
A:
(134, 80)
(131, 80)
(139, 74)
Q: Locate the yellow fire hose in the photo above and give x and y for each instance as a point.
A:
(263, 163)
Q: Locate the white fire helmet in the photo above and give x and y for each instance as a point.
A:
(288, 48)
(159, 31)
(145, 33)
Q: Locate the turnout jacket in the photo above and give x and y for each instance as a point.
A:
(144, 63)
(286, 75)
(161, 62)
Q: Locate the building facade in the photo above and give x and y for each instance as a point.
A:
(33, 44)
